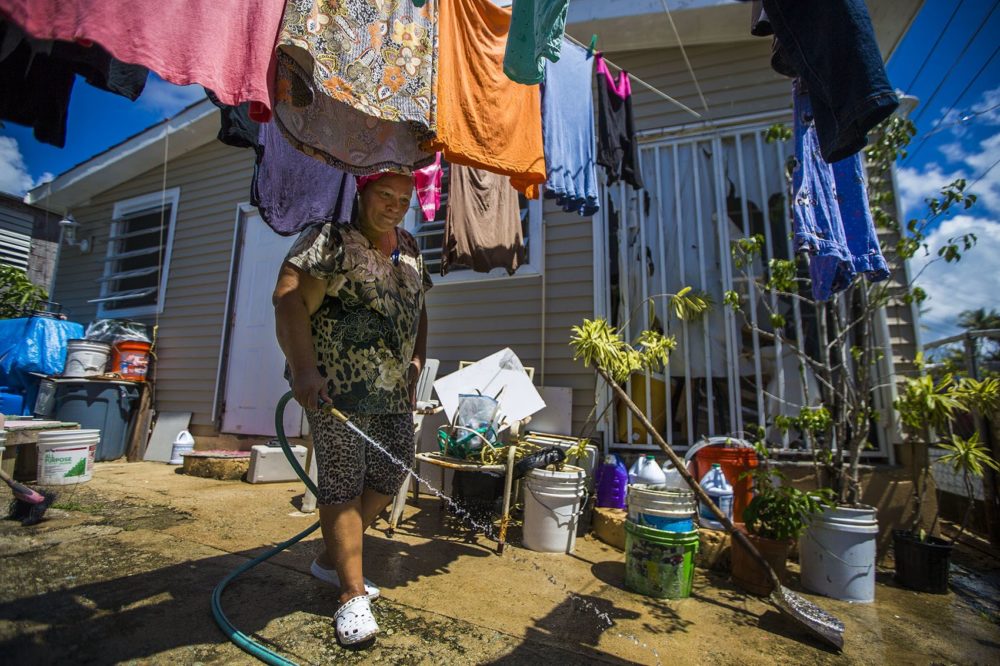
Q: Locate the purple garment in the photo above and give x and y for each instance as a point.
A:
(293, 191)
(833, 221)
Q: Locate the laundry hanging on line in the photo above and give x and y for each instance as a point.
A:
(482, 228)
(568, 132)
(485, 120)
(355, 83)
(831, 46)
(617, 148)
(832, 219)
(37, 77)
(536, 35)
(225, 45)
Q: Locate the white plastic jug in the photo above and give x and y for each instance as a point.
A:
(673, 477)
(183, 443)
(718, 489)
(645, 470)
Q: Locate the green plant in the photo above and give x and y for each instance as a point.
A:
(970, 458)
(18, 295)
(780, 511)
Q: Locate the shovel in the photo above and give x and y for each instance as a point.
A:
(810, 616)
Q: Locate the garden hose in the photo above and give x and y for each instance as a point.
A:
(238, 638)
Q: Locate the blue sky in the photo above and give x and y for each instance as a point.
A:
(958, 84)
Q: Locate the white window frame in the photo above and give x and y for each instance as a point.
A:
(534, 262)
(152, 201)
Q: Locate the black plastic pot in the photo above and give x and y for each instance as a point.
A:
(922, 565)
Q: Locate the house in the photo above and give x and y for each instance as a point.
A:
(29, 239)
(174, 242)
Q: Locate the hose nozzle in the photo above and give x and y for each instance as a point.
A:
(339, 415)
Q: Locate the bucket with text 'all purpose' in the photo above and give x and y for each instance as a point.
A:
(552, 503)
(86, 358)
(66, 456)
(659, 563)
(662, 508)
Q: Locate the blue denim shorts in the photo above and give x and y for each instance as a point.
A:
(833, 222)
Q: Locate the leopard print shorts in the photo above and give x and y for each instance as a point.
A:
(346, 464)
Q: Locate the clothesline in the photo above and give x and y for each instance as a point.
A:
(640, 81)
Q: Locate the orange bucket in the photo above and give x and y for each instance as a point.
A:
(734, 461)
(131, 359)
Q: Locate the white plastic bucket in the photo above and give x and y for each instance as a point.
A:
(659, 506)
(837, 554)
(86, 358)
(66, 456)
(552, 503)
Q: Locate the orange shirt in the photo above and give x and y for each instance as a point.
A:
(484, 119)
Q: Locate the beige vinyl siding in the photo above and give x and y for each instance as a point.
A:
(213, 179)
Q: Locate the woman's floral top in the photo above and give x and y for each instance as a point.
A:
(365, 330)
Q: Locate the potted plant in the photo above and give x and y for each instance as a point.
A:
(927, 406)
(773, 520)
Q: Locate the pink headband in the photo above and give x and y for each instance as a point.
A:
(363, 181)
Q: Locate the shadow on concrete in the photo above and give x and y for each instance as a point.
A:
(574, 627)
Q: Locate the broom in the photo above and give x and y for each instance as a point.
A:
(820, 623)
(29, 505)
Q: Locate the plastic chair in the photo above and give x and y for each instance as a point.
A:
(425, 384)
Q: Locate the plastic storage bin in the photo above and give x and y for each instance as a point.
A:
(103, 405)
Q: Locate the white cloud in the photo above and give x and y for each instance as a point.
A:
(14, 176)
(918, 184)
(973, 282)
(167, 99)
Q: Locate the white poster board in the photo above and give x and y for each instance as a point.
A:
(502, 370)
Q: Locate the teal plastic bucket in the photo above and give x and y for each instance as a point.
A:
(659, 563)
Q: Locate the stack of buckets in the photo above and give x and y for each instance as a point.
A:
(660, 541)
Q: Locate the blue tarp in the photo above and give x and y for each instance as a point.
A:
(33, 344)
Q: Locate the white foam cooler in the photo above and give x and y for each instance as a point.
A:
(268, 464)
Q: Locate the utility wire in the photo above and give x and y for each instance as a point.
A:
(937, 125)
(937, 41)
(687, 62)
(954, 64)
(638, 80)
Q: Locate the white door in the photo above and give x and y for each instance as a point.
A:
(255, 373)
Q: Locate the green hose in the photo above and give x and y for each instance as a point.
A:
(238, 638)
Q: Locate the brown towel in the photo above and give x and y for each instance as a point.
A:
(483, 227)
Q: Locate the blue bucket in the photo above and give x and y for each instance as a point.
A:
(667, 522)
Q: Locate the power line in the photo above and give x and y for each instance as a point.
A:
(958, 59)
(937, 41)
(934, 129)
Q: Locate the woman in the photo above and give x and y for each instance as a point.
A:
(351, 321)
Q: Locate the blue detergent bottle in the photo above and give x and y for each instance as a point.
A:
(612, 483)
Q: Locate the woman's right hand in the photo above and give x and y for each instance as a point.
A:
(310, 388)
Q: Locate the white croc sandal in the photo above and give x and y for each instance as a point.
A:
(330, 576)
(355, 622)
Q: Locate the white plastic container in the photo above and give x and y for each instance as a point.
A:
(66, 456)
(645, 470)
(673, 478)
(552, 503)
(837, 554)
(268, 464)
(721, 493)
(86, 358)
(183, 443)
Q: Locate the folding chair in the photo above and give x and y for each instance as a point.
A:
(425, 384)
